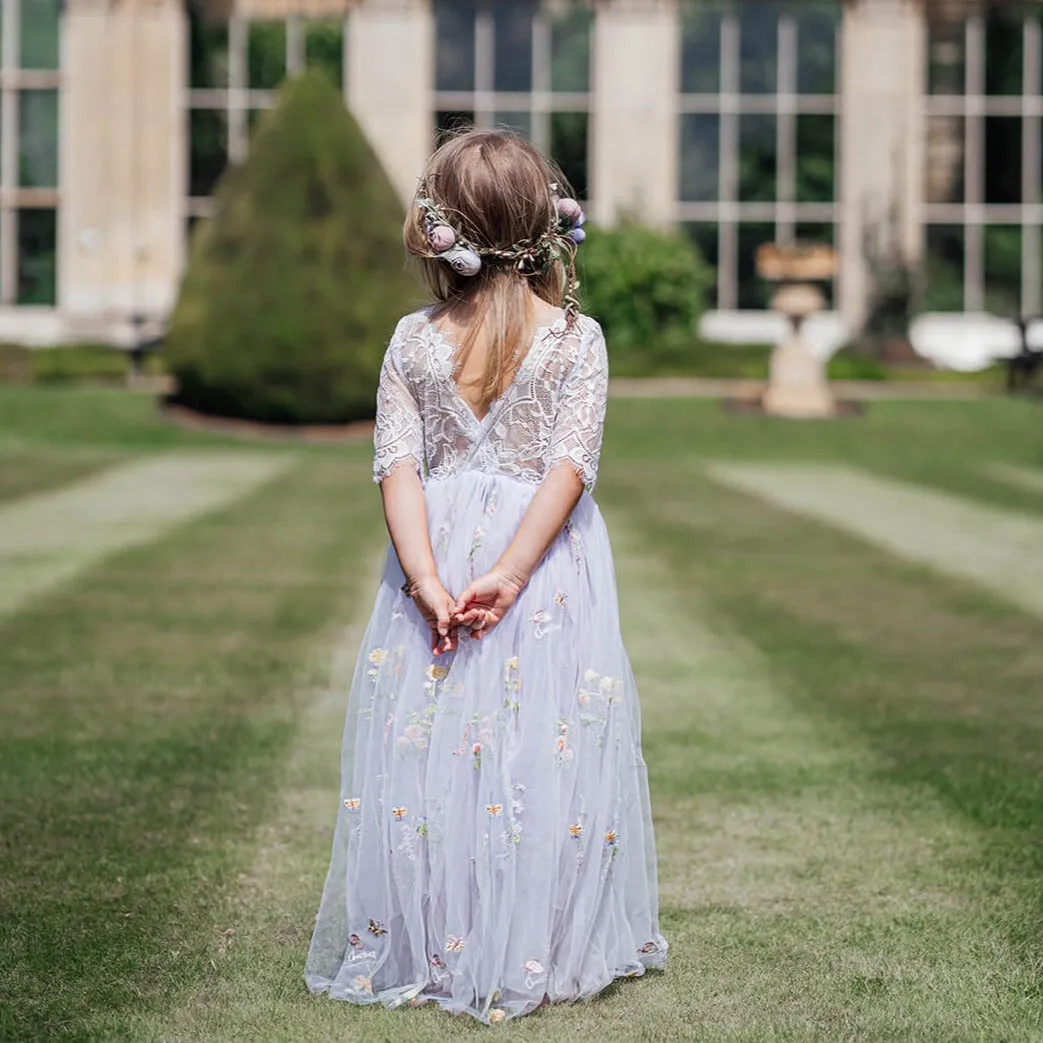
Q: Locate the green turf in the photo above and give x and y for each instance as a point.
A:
(845, 748)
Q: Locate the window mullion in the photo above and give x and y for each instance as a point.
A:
(1030, 171)
(237, 89)
(542, 101)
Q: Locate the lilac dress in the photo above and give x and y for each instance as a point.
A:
(494, 837)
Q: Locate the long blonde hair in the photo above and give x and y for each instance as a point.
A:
(498, 191)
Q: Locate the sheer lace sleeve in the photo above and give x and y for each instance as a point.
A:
(399, 434)
(580, 419)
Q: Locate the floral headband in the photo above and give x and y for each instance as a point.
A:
(530, 256)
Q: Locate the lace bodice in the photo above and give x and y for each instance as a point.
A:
(552, 412)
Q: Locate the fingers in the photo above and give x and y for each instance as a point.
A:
(463, 599)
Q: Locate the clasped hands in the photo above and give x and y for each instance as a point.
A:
(478, 609)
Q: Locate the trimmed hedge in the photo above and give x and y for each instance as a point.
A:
(294, 286)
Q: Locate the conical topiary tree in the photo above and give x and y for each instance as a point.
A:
(294, 285)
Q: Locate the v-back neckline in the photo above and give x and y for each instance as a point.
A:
(447, 342)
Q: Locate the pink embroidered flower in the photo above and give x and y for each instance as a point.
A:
(352, 803)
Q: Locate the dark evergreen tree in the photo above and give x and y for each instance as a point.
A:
(294, 285)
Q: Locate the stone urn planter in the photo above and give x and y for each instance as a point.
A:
(797, 385)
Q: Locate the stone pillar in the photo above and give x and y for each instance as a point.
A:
(390, 77)
(883, 80)
(124, 158)
(634, 93)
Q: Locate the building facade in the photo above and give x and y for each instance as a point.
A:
(905, 132)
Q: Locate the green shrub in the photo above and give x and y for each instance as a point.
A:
(648, 289)
(853, 363)
(295, 284)
(71, 364)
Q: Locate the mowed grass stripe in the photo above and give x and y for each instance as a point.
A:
(148, 711)
(1028, 478)
(930, 693)
(999, 550)
(49, 538)
(27, 469)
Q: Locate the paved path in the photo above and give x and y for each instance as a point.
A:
(859, 390)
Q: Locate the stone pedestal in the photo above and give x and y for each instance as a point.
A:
(797, 386)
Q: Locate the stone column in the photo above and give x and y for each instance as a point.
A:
(634, 93)
(124, 158)
(883, 80)
(390, 80)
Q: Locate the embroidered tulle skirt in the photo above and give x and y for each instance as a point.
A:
(494, 842)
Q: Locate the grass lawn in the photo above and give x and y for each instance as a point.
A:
(843, 722)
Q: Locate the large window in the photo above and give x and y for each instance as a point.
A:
(984, 169)
(521, 65)
(29, 81)
(758, 133)
(235, 70)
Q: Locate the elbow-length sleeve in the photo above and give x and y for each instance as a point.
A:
(399, 433)
(580, 420)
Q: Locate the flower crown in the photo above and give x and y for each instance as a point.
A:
(529, 256)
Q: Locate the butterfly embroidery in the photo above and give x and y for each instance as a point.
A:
(399, 811)
(377, 928)
(352, 803)
(454, 944)
(494, 809)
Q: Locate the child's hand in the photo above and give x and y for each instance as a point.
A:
(486, 601)
(436, 605)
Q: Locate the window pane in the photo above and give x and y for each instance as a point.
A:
(449, 123)
(705, 238)
(757, 159)
(758, 47)
(568, 148)
(947, 57)
(1004, 60)
(208, 132)
(943, 164)
(815, 232)
(943, 268)
(40, 34)
(570, 51)
(700, 157)
(700, 50)
(454, 45)
(38, 139)
(1002, 159)
(265, 55)
(254, 119)
(324, 49)
(512, 57)
(815, 159)
(1003, 270)
(754, 292)
(209, 54)
(816, 48)
(520, 122)
(37, 250)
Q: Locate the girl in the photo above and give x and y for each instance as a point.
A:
(494, 847)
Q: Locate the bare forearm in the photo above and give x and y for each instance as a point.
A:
(405, 512)
(544, 518)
